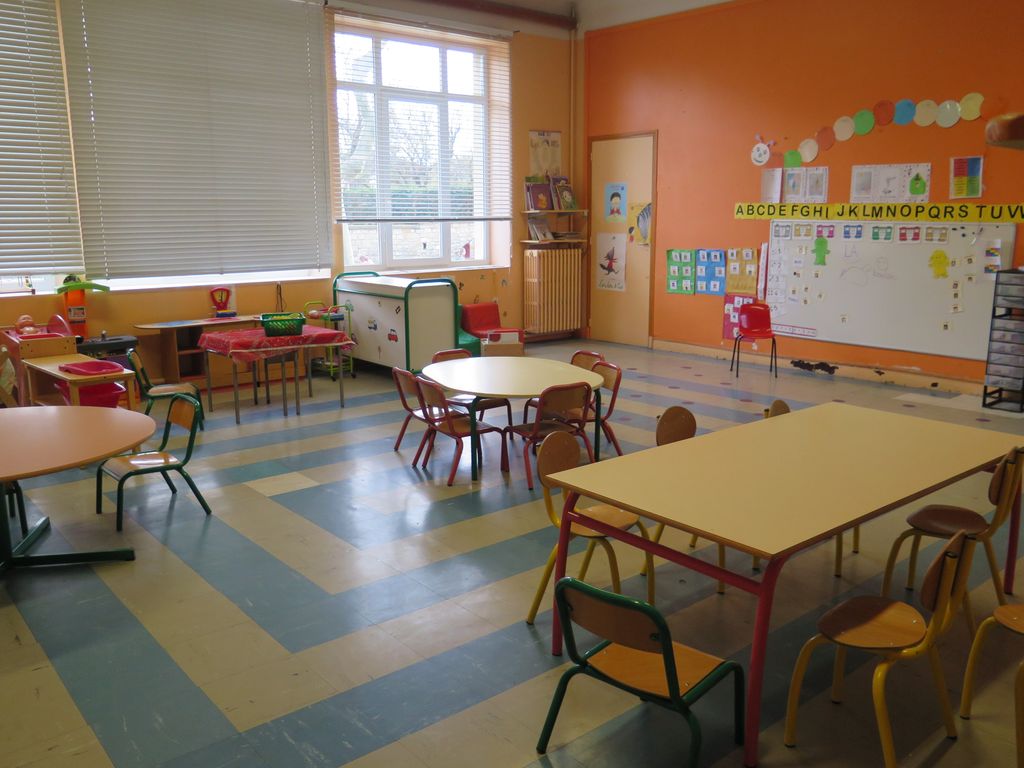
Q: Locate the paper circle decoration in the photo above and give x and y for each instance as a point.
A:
(760, 153)
(843, 128)
(808, 150)
(970, 106)
(948, 113)
(826, 138)
(926, 112)
(884, 111)
(863, 122)
(792, 159)
(905, 110)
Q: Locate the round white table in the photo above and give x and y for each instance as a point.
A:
(48, 439)
(507, 377)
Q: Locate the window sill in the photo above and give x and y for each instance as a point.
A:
(426, 270)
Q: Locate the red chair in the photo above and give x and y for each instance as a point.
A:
(581, 358)
(755, 323)
(481, 320)
(466, 401)
(440, 418)
(409, 395)
(612, 375)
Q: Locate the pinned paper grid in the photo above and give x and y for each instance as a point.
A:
(965, 176)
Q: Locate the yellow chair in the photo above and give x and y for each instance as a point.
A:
(895, 631)
(636, 654)
(1011, 617)
(941, 521)
(558, 452)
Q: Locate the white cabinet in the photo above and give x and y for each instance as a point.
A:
(396, 320)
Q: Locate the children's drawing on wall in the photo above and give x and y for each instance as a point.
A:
(610, 268)
(771, 185)
(821, 251)
(895, 183)
(817, 185)
(793, 185)
(614, 202)
(545, 153)
(640, 223)
(938, 263)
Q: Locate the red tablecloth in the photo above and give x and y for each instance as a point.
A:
(249, 344)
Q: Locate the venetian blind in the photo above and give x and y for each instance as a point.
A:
(38, 214)
(199, 134)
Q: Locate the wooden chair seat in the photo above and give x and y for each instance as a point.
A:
(166, 390)
(119, 466)
(607, 514)
(645, 671)
(873, 622)
(1011, 616)
(943, 520)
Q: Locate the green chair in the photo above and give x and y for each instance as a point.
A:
(637, 655)
(152, 392)
(183, 411)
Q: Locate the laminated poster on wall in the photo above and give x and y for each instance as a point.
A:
(741, 271)
(615, 202)
(610, 267)
(545, 153)
(680, 271)
(640, 223)
(895, 183)
(965, 177)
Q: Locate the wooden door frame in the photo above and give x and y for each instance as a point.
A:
(588, 277)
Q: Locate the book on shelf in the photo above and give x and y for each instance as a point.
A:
(539, 228)
(566, 235)
(562, 194)
(538, 196)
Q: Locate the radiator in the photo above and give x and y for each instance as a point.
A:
(553, 289)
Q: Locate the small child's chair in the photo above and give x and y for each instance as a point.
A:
(152, 392)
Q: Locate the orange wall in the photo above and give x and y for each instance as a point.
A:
(709, 80)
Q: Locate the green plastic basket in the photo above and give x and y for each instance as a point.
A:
(282, 323)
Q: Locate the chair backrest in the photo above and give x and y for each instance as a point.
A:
(480, 318)
(1003, 488)
(408, 391)
(434, 402)
(943, 587)
(614, 618)
(184, 412)
(564, 401)
(676, 423)
(450, 354)
(141, 377)
(755, 317)
(584, 358)
(777, 408)
(558, 452)
(612, 375)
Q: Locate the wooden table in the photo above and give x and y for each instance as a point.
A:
(250, 345)
(774, 487)
(511, 377)
(50, 367)
(180, 354)
(39, 441)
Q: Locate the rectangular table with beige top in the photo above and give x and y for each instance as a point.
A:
(772, 488)
(40, 368)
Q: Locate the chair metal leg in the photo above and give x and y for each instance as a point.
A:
(735, 352)
(775, 359)
(721, 564)
(423, 442)
(793, 701)
(942, 694)
(167, 480)
(912, 565)
(431, 437)
(739, 703)
(610, 434)
(99, 488)
(972, 629)
(993, 565)
(556, 705)
(401, 432)
(967, 695)
(455, 461)
(613, 564)
(693, 539)
(856, 539)
(195, 491)
(120, 503)
(1018, 713)
(839, 674)
(526, 463)
(648, 567)
(584, 567)
(890, 564)
(882, 712)
(837, 569)
(695, 736)
(542, 587)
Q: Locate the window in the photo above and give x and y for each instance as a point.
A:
(200, 135)
(38, 213)
(422, 162)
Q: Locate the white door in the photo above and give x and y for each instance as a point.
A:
(621, 238)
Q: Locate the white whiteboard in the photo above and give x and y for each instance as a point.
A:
(887, 293)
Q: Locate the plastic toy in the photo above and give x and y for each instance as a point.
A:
(74, 289)
(334, 316)
(221, 298)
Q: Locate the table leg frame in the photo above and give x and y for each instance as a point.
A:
(763, 590)
(1011, 546)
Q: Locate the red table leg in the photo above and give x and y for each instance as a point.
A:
(1011, 546)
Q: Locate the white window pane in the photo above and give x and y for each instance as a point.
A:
(353, 58)
(410, 65)
(413, 137)
(362, 245)
(465, 73)
(419, 242)
(357, 153)
(465, 129)
(468, 241)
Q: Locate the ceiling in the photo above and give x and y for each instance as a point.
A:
(595, 14)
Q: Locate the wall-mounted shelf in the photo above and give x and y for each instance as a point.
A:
(1004, 367)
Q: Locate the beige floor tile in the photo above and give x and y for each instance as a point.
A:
(394, 755)
(226, 652)
(291, 481)
(267, 691)
(460, 741)
(437, 628)
(44, 709)
(75, 749)
(358, 657)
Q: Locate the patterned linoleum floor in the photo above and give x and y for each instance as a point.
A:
(342, 608)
